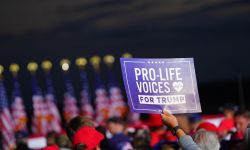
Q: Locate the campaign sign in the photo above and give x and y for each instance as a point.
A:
(154, 85)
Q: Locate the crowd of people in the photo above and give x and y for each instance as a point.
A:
(153, 132)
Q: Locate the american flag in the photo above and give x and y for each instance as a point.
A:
(70, 109)
(54, 118)
(101, 100)
(40, 120)
(6, 124)
(86, 107)
(118, 108)
(17, 108)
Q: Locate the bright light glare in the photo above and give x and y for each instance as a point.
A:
(65, 67)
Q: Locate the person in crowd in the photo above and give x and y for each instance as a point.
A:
(227, 124)
(63, 141)
(51, 137)
(104, 143)
(118, 141)
(208, 127)
(76, 123)
(160, 138)
(157, 130)
(242, 120)
(141, 140)
(194, 122)
(185, 141)
(238, 139)
(158, 133)
(207, 140)
(83, 135)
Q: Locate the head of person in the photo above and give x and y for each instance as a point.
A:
(116, 125)
(83, 135)
(62, 140)
(141, 139)
(51, 137)
(208, 127)
(229, 110)
(242, 120)
(154, 122)
(194, 121)
(76, 123)
(206, 140)
(229, 113)
(87, 138)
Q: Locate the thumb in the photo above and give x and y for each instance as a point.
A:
(166, 112)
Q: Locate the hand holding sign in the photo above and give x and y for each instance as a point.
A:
(156, 84)
(169, 119)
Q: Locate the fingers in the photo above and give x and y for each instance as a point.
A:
(166, 112)
(162, 115)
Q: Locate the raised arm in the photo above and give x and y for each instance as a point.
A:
(185, 141)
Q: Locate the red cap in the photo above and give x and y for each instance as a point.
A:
(154, 120)
(208, 126)
(51, 147)
(88, 136)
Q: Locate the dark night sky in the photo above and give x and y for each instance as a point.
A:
(215, 32)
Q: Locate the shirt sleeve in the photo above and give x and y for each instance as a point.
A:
(187, 143)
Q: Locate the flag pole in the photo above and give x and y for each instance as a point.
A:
(8, 140)
(86, 107)
(54, 117)
(118, 107)
(70, 109)
(101, 98)
(18, 108)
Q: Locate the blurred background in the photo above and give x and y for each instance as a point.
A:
(214, 32)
